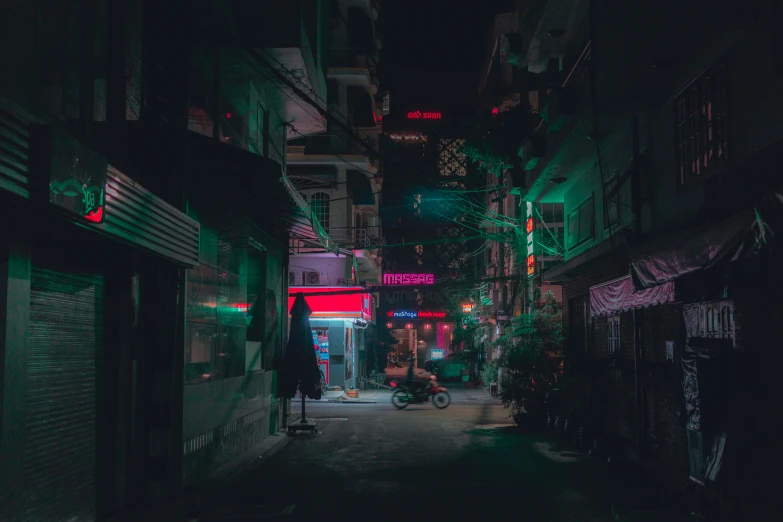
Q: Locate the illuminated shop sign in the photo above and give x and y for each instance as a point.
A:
(415, 314)
(530, 229)
(77, 178)
(418, 115)
(337, 306)
(467, 308)
(408, 279)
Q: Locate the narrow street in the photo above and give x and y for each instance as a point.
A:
(373, 462)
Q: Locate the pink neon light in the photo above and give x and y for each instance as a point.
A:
(408, 279)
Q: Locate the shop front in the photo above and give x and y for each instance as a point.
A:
(337, 320)
(87, 243)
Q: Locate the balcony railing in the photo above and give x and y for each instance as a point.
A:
(349, 238)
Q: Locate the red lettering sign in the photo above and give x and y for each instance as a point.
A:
(419, 115)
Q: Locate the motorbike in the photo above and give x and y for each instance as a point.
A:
(405, 395)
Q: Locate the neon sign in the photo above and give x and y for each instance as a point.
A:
(408, 279)
(530, 229)
(414, 314)
(467, 308)
(418, 115)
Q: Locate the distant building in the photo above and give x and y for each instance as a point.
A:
(339, 173)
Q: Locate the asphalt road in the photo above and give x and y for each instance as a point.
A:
(373, 462)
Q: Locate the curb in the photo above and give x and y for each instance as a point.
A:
(254, 462)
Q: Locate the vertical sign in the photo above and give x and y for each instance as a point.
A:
(530, 227)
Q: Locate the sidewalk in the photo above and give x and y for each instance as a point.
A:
(197, 500)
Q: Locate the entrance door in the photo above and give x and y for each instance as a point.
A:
(63, 365)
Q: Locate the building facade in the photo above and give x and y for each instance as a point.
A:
(143, 301)
(339, 173)
(658, 158)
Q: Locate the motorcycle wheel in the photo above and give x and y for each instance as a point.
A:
(441, 399)
(400, 399)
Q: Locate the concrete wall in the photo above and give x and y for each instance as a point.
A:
(331, 267)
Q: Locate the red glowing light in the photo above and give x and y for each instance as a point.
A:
(389, 325)
(495, 111)
(531, 265)
(529, 226)
(228, 115)
(419, 115)
(356, 306)
(96, 216)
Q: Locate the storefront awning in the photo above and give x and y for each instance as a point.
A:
(337, 305)
(619, 296)
(694, 251)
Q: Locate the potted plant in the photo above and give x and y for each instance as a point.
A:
(531, 360)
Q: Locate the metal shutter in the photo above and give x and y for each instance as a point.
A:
(64, 355)
(14, 149)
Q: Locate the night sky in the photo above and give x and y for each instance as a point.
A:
(432, 51)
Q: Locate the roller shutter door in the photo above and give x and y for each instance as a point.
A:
(64, 356)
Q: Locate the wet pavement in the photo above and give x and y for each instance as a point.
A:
(373, 462)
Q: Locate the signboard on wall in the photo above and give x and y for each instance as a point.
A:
(336, 306)
(77, 178)
(408, 279)
(530, 228)
(437, 353)
(415, 314)
(424, 115)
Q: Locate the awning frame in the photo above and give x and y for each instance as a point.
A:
(618, 295)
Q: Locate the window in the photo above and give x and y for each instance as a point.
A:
(319, 202)
(216, 313)
(613, 334)
(580, 223)
(702, 125)
(262, 129)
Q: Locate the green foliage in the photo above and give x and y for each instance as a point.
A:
(494, 142)
(530, 356)
(489, 373)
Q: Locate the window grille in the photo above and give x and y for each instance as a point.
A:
(702, 125)
(320, 204)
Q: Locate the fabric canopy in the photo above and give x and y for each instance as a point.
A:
(703, 249)
(619, 296)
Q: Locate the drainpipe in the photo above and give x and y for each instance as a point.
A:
(638, 321)
(636, 182)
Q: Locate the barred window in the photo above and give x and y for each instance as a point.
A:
(613, 334)
(702, 125)
(319, 202)
(580, 223)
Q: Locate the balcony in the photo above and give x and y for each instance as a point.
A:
(285, 35)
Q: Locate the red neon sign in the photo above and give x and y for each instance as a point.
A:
(529, 226)
(531, 265)
(345, 306)
(418, 115)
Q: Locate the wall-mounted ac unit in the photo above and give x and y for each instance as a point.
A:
(294, 278)
(313, 278)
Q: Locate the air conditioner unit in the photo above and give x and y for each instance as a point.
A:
(312, 278)
(294, 278)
